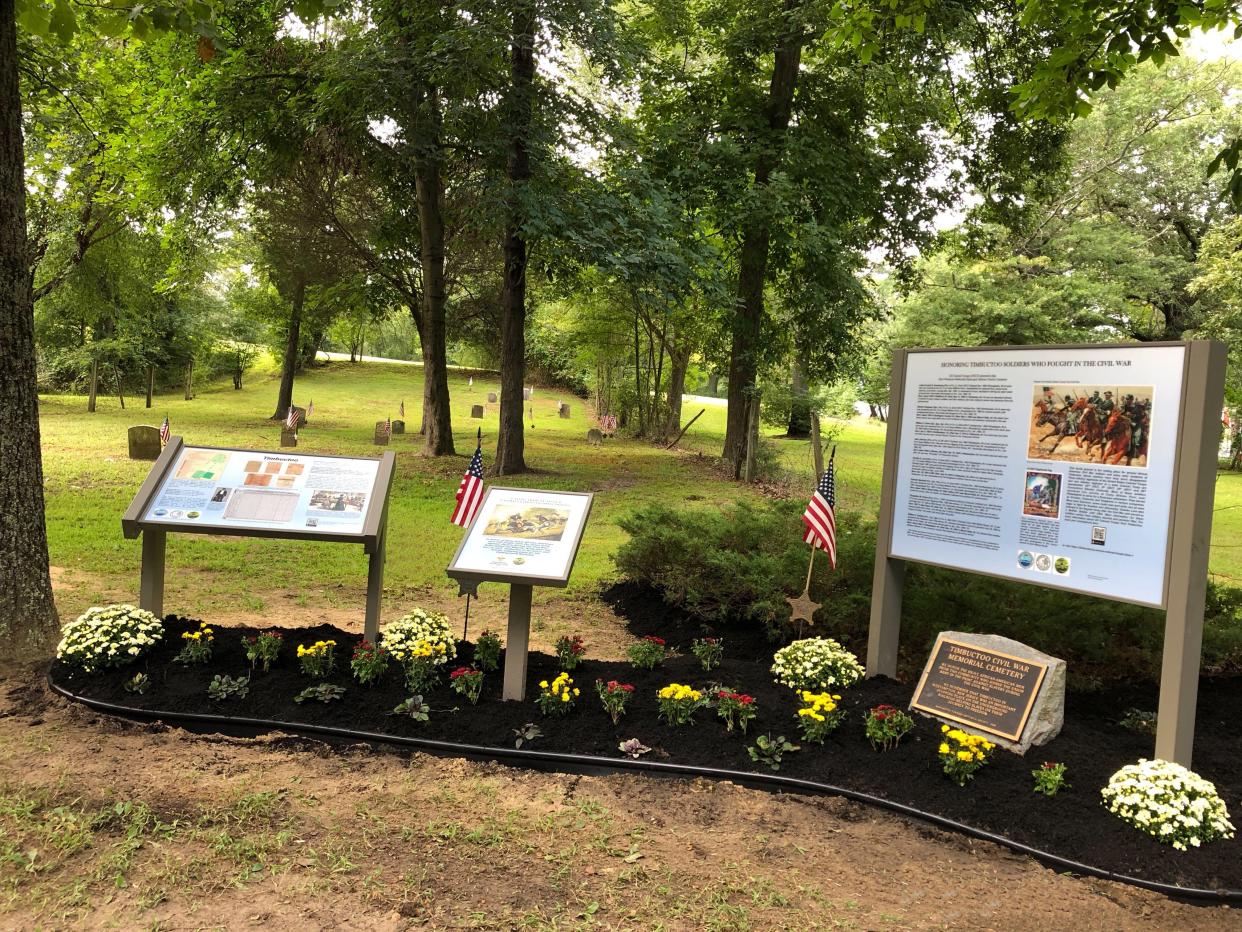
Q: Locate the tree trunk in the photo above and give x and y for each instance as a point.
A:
(676, 388)
(120, 391)
(510, 446)
(756, 238)
(800, 404)
(150, 385)
(189, 379)
(94, 387)
(429, 191)
(713, 383)
(284, 400)
(28, 623)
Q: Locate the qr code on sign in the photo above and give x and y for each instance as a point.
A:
(1098, 536)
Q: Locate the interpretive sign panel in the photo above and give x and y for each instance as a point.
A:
(1048, 465)
(980, 688)
(232, 491)
(523, 535)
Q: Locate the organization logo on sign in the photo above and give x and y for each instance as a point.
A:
(1062, 565)
(1043, 563)
(1025, 559)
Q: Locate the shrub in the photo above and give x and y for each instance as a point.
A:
(816, 664)
(1170, 803)
(263, 648)
(647, 653)
(487, 652)
(819, 716)
(111, 636)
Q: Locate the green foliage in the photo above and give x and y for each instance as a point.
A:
(1049, 778)
(320, 692)
(222, 687)
(415, 708)
(771, 751)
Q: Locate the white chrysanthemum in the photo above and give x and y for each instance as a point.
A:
(1168, 802)
(400, 637)
(816, 664)
(108, 636)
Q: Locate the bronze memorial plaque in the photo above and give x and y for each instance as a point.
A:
(980, 688)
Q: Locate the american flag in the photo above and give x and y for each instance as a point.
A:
(820, 516)
(291, 419)
(401, 410)
(310, 409)
(388, 426)
(165, 431)
(470, 492)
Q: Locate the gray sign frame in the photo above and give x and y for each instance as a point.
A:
(372, 537)
(1189, 538)
(521, 589)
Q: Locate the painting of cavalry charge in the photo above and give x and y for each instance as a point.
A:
(530, 523)
(1108, 424)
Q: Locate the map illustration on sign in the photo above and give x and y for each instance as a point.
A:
(245, 489)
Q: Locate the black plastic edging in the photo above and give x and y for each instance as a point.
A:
(587, 763)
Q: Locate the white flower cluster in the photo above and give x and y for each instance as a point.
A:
(1172, 804)
(815, 665)
(419, 627)
(111, 636)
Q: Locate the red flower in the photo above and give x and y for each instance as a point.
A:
(463, 671)
(654, 640)
(613, 686)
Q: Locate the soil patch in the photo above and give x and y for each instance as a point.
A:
(1074, 824)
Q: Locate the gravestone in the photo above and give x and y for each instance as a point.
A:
(381, 433)
(476, 410)
(491, 398)
(144, 442)
(563, 410)
(1010, 693)
(288, 438)
(526, 393)
(595, 437)
(398, 427)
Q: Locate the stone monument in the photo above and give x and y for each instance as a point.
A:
(144, 442)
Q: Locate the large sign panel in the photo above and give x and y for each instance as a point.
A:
(523, 535)
(239, 490)
(1050, 465)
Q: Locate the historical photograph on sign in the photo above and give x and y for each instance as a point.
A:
(1042, 495)
(324, 500)
(531, 523)
(1108, 424)
(268, 507)
(202, 464)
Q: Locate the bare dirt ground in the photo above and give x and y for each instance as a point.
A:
(106, 824)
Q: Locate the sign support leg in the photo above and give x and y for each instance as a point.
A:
(1188, 560)
(517, 643)
(151, 587)
(375, 589)
(890, 574)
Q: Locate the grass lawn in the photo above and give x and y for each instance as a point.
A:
(90, 481)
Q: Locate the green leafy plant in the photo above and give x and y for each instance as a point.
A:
(415, 708)
(318, 659)
(820, 715)
(678, 703)
(557, 697)
(468, 682)
(816, 665)
(614, 697)
(709, 651)
(569, 651)
(196, 645)
(771, 751)
(263, 648)
(648, 653)
(321, 692)
(487, 652)
(526, 734)
(737, 709)
(422, 666)
(962, 755)
(369, 663)
(886, 725)
(138, 684)
(111, 636)
(1049, 778)
(222, 687)
(1173, 805)
(1139, 721)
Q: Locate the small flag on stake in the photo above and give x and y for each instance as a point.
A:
(401, 409)
(291, 419)
(165, 431)
(310, 409)
(820, 516)
(470, 492)
(388, 426)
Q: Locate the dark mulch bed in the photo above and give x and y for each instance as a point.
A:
(1073, 824)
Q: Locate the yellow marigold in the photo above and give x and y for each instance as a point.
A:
(944, 749)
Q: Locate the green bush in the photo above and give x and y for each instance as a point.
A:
(737, 564)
